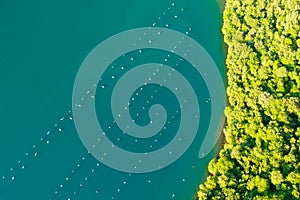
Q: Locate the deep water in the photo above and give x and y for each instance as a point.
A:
(42, 45)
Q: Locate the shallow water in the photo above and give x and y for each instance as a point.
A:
(42, 45)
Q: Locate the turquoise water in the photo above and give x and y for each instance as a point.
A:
(42, 46)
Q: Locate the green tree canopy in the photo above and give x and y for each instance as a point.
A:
(261, 156)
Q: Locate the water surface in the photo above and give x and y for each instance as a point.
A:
(42, 45)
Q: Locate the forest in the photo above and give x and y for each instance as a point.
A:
(260, 158)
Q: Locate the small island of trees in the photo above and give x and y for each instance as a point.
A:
(261, 155)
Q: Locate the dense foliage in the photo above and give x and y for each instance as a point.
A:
(261, 155)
